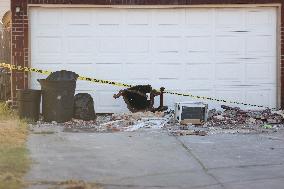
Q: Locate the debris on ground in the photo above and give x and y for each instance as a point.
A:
(123, 122)
(233, 117)
(230, 120)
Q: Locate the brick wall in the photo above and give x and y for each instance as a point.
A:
(20, 27)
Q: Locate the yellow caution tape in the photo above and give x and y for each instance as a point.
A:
(213, 99)
(27, 69)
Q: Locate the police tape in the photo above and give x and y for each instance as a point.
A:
(27, 69)
(215, 99)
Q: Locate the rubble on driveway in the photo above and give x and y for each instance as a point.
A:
(122, 122)
(230, 120)
(233, 117)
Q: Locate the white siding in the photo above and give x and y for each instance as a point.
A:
(4, 7)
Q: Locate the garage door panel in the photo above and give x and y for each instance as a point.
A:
(261, 96)
(220, 52)
(139, 71)
(50, 45)
(107, 59)
(134, 31)
(111, 45)
(47, 59)
(89, 68)
(199, 44)
(164, 17)
(78, 30)
(260, 72)
(48, 31)
(168, 31)
(84, 85)
(78, 17)
(200, 72)
(138, 58)
(77, 59)
(137, 44)
(237, 95)
(230, 19)
(261, 45)
(169, 84)
(198, 57)
(168, 44)
(260, 17)
(108, 17)
(138, 17)
(162, 71)
(107, 100)
(167, 58)
(200, 18)
(48, 16)
(231, 45)
(229, 72)
(109, 71)
(103, 31)
(79, 45)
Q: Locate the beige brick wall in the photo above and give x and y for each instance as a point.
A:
(4, 7)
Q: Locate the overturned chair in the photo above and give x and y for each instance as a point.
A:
(142, 98)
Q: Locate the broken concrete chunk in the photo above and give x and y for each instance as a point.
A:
(219, 117)
(251, 121)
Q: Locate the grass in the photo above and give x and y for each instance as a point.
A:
(14, 161)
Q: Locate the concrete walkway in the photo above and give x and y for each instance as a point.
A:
(155, 160)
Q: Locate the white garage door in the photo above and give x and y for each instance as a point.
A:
(226, 53)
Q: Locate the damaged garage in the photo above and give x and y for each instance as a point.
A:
(223, 49)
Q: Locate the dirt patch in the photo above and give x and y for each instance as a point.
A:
(14, 161)
(13, 133)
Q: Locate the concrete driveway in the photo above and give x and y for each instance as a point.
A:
(154, 159)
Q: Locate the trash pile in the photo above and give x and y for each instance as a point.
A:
(122, 122)
(233, 117)
(230, 120)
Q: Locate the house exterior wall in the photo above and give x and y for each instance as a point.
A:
(20, 28)
(4, 7)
